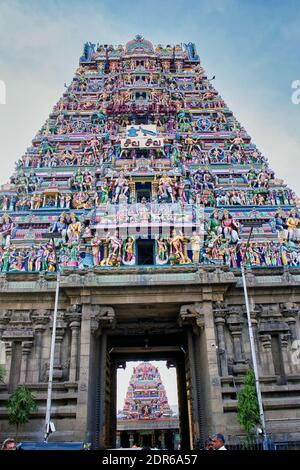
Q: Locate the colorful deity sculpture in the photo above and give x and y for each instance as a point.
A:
(128, 257)
(6, 229)
(196, 247)
(121, 187)
(214, 225)
(74, 228)
(162, 256)
(230, 227)
(114, 244)
(177, 249)
(60, 226)
(165, 187)
(96, 252)
(292, 225)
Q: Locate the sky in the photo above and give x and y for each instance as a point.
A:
(168, 377)
(251, 46)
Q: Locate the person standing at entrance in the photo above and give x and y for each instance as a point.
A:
(218, 441)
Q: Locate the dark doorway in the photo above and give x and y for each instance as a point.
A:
(145, 252)
(116, 353)
(125, 443)
(143, 192)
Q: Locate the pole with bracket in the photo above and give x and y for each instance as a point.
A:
(253, 224)
(49, 427)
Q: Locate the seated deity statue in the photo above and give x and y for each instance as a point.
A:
(230, 227)
(81, 200)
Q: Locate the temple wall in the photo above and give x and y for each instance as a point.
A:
(219, 351)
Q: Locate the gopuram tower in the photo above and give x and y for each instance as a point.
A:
(147, 419)
(141, 189)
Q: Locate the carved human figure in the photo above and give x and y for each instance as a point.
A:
(74, 228)
(230, 227)
(61, 227)
(128, 257)
(6, 229)
(176, 247)
(196, 246)
(95, 244)
(165, 186)
(121, 187)
(161, 250)
(114, 247)
(292, 225)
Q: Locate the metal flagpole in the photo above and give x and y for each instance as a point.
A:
(48, 424)
(50, 381)
(252, 345)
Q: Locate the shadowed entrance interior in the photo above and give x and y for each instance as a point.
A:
(172, 349)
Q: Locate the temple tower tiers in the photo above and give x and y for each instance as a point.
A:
(141, 146)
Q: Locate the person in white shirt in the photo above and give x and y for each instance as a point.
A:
(218, 441)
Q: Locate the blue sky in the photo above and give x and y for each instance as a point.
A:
(251, 46)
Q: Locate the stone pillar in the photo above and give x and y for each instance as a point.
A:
(211, 393)
(291, 321)
(103, 409)
(254, 321)
(163, 444)
(26, 348)
(183, 404)
(284, 343)
(60, 332)
(290, 312)
(87, 354)
(267, 358)
(8, 353)
(75, 327)
(236, 334)
(118, 440)
(38, 343)
(235, 327)
(220, 322)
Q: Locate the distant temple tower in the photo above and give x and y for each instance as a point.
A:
(146, 400)
(146, 396)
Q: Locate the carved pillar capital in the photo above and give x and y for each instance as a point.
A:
(220, 313)
(265, 341)
(267, 357)
(191, 315)
(102, 316)
(26, 349)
